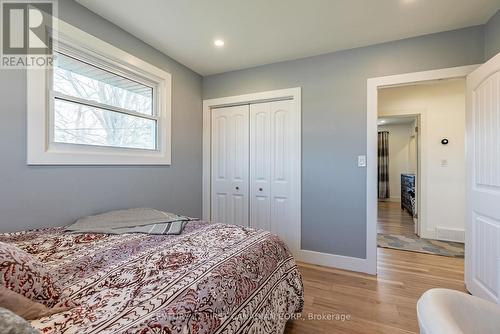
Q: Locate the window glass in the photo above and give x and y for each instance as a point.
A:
(78, 79)
(76, 123)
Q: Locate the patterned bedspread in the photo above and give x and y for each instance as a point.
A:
(211, 279)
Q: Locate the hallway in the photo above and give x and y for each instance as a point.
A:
(393, 220)
(396, 230)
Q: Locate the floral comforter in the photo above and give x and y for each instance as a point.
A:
(211, 279)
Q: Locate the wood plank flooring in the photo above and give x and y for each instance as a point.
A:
(393, 220)
(375, 304)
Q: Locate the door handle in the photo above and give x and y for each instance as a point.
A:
(260, 189)
(237, 188)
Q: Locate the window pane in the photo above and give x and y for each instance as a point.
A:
(75, 78)
(80, 124)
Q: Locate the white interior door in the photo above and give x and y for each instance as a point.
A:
(271, 141)
(230, 154)
(482, 248)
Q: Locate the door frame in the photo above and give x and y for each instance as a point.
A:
(293, 94)
(373, 85)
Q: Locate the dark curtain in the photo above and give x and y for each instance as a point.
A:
(383, 164)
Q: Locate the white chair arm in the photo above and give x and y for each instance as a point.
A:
(443, 311)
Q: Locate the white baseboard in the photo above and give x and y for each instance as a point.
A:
(450, 234)
(337, 261)
(445, 234)
(428, 234)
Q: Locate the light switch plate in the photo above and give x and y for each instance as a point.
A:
(361, 161)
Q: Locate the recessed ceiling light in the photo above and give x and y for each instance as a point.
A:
(219, 42)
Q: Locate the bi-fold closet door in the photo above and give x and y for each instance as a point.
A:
(270, 167)
(251, 165)
(230, 164)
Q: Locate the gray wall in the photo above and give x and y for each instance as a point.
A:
(492, 36)
(334, 122)
(47, 196)
(334, 133)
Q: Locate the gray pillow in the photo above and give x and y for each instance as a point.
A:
(11, 323)
(124, 218)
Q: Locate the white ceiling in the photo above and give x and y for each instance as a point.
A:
(258, 32)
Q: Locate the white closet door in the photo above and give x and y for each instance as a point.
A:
(271, 167)
(230, 153)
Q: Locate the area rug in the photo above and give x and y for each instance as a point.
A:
(413, 243)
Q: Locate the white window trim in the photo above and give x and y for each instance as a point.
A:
(40, 148)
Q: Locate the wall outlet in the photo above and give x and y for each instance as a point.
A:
(361, 161)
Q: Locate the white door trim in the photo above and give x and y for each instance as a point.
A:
(373, 84)
(282, 94)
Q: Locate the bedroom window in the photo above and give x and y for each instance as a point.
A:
(97, 105)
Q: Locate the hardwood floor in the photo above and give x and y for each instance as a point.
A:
(375, 304)
(393, 220)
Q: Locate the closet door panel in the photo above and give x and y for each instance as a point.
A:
(260, 166)
(220, 150)
(220, 166)
(239, 205)
(239, 149)
(260, 213)
(239, 156)
(270, 167)
(280, 217)
(220, 209)
(281, 117)
(230, 145)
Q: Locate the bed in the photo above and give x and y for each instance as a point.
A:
(213, 278)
